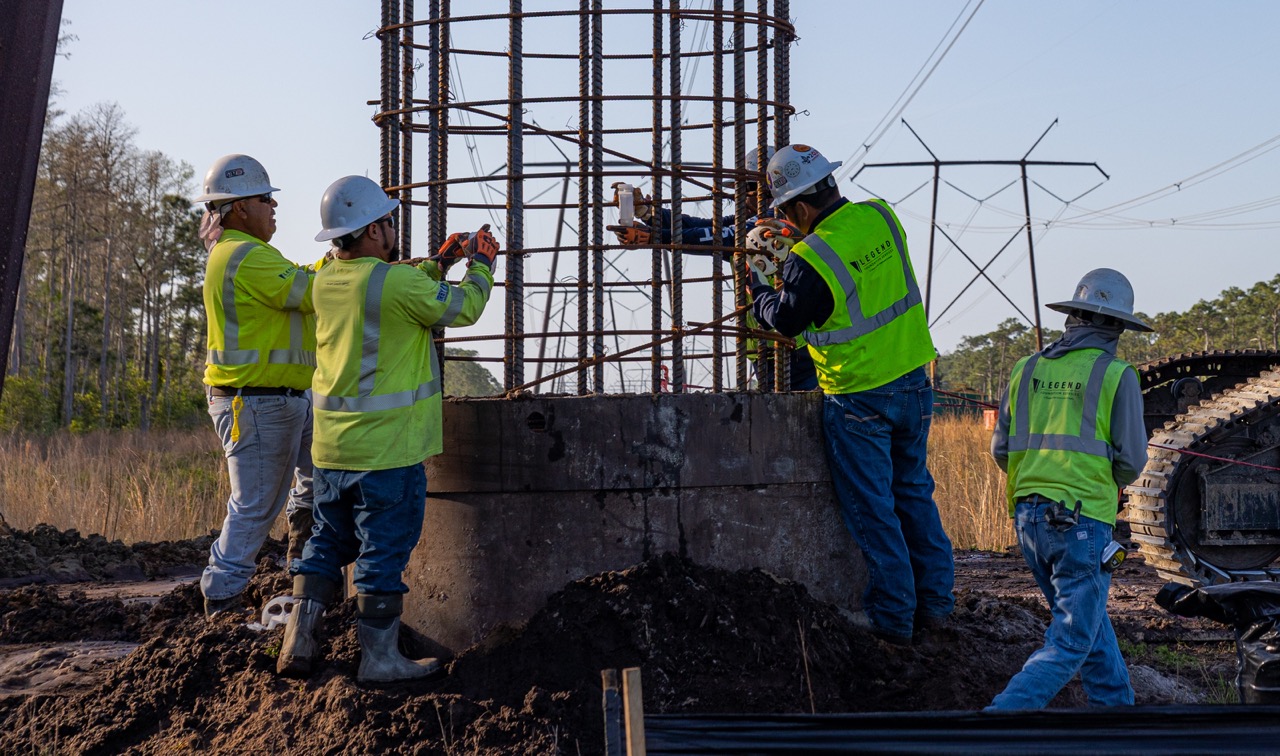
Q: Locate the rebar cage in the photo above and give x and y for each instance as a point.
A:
(644, 111)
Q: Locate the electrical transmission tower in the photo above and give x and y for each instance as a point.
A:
(1022, 164)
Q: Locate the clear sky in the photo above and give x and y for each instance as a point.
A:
(1156, 93)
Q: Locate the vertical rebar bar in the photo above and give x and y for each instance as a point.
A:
(551, 277)
(584, 143)
(514, 295)
(677, 204)
(782, 40)
(655, 226)
(442, 145)
(390, 92)
(717, 192)
(597, 187)
(405, 227)
(740, 202)
(781, 354)
(435, 97)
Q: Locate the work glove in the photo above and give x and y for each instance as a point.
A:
(453, 250)
(482, 247)
(632, 236)
(775, 236)
(769, 243)
(643, 204)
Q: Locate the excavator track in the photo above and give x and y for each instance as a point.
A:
(1164, 505)
(1171, 384)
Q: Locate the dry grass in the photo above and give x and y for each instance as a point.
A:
(970, 492)
(164, 485)
(125, 485)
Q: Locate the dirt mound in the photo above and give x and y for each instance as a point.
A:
(707, 640)
(38, 614)
(45, 554)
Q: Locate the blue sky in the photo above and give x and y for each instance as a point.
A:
(1155, 93)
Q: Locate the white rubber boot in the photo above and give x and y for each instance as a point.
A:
(381, 660)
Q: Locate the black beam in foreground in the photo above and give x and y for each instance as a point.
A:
(1141, 729)
(28, 41)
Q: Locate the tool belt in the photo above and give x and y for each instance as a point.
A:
(255, 391)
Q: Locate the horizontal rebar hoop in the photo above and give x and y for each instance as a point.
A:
(638, 105)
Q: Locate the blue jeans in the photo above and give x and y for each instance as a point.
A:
(876, 443)
(1067, 567)
(272, 452)
(372, 518)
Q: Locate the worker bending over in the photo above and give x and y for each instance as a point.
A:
(377, 417)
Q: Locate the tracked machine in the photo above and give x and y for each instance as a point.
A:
(1206, 509)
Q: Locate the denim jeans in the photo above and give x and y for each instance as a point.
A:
(1067, 567)
(876, 446)
(272, 453)
(371, 518)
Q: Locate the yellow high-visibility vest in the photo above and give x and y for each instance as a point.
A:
(1060, 430)
(376, 394)
(877, 331)
(257, 304)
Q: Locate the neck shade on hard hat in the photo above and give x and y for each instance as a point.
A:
(1104, 292)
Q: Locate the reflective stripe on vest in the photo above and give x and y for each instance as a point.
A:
(1084, 443)
(861, 325)
(231, 354)
(371, 338)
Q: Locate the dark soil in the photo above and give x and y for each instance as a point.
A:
(45, 554)
(706, 640)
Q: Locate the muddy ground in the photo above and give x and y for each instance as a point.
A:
(83, 671)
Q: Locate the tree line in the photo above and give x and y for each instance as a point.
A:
(109, 327)
(1236, 319)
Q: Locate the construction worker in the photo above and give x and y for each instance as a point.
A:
(1070, 435)
(261, 356)
(849, 287)
(378, 416)
(697, 231)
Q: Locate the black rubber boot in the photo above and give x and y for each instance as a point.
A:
(300, 523)
(379, 631)
(311, 594)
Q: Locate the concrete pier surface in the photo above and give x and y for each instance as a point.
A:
(534, 492)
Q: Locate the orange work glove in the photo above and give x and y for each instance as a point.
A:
(453, 249)
(483, 248)
(632, 236)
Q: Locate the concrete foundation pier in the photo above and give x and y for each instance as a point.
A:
(535, 492)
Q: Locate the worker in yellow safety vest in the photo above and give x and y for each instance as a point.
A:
(378, 416)
(261, 344)
(1071, 434)
(848, 286)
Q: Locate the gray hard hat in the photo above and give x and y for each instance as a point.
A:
(1106, 292)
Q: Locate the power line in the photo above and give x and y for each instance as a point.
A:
(912, 89)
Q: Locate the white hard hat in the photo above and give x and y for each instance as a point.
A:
(795, 170)
(753, 158)
(350, 204)
(233, 177)
(1106, 292)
